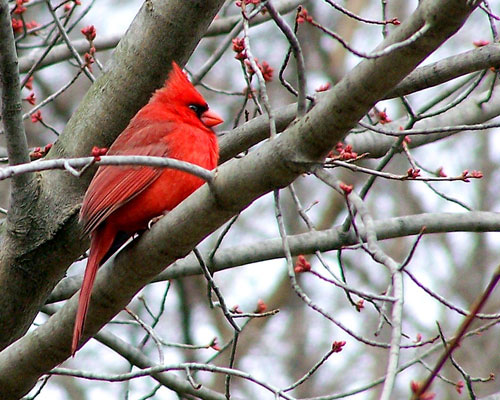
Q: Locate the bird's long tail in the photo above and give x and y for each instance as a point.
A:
(101, 240)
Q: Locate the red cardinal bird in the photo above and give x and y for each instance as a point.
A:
(176, 123)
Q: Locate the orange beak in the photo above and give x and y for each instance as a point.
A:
(211, 118)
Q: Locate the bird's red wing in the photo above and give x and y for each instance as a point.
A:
(114, 186)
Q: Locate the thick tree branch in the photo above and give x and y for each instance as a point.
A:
(238, 183)
(23, 188)
(310, 242)
(447, 69)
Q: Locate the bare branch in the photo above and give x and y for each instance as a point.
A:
(23, 187)
(455, 342)
(308, 243)
(83, 163)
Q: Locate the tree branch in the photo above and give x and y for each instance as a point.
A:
(447, 69)
(309, 243)
(169, 380)
(23, 189)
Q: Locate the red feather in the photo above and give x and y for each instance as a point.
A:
(175, 123)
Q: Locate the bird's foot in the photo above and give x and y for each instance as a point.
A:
(154, 220)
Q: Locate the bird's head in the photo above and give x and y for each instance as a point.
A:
(182, 98)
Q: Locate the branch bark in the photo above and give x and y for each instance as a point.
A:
(310, 242)
(22, 189)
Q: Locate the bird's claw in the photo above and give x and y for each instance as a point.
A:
(154, 220)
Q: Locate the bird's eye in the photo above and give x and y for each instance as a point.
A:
(198, 109)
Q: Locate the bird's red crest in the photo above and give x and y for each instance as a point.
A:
(178, 89)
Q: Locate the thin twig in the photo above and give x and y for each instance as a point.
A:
(66, 38)
(299, 57)
(232, 358)
(73, 164)
(293, 280)
(376, 54)
(379, 256)
(359, 18)
(427, 131)
(150, 332)
(214, 287)
(260, 77)
(401, 177)
(163, 368)
(310, 372)
(219, 51)
(475, 308)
